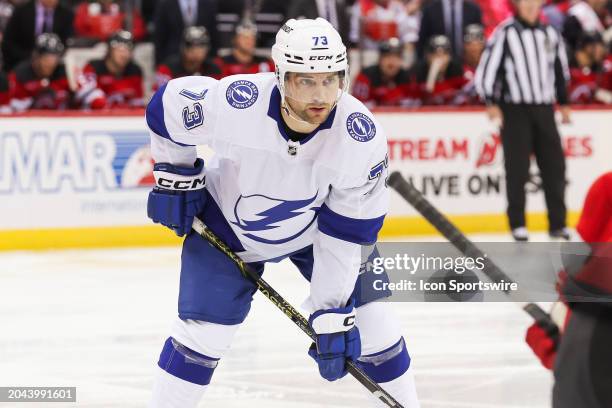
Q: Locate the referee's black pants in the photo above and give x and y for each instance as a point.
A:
(531, 129)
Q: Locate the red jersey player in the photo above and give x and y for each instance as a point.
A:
(439, 76)
(193, 59)
(386, 83)
(115, 81)
(40, 82)
(242, 59)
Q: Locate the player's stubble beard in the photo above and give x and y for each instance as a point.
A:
(298, 119)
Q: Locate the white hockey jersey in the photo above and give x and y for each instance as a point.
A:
(279, 196)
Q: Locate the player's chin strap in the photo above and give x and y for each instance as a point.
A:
(285, 307)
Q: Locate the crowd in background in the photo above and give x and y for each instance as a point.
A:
(422, 52)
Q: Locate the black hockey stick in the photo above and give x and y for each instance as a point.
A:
(285, 307)
(467, 247)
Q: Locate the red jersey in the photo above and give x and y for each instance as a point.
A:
(230, 66)
(373, 90)
(467, 95)
(99, 88)
(174, 68)
(586, 82)
(94, 20)
(28, 91)
(445, 89)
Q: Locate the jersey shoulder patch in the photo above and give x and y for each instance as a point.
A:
(243, 91)
(356, 120)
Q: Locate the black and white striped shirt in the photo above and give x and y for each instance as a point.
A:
(523, 64)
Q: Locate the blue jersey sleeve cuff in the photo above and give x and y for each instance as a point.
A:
(357, 231)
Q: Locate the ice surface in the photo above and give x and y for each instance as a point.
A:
(97, 319)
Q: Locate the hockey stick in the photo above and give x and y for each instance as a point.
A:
(285, 307)
(467, 247)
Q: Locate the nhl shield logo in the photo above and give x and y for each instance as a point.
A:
(360, 127)
(241, 94)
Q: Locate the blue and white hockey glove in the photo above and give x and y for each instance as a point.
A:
(337, 340)
(178, 195)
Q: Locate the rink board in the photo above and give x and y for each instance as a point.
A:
(81, 180)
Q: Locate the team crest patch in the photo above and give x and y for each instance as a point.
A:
(241, 94)
(360, 127)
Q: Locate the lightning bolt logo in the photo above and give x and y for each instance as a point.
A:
(241, 94)
(360, 127)
(273, 217)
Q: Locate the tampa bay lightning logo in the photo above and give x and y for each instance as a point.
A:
(272, 220)
(360, 127)
(241, 94)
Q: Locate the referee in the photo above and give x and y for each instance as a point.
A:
(521, 73)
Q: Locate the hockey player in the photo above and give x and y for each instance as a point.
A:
(193, 59)
(299, 172)
(242, 59)
(114, 81)
(386, 83)
(40, 82)
(581, 361)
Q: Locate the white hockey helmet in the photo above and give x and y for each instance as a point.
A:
(309, 46)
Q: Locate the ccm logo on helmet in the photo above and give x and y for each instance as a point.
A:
(182, 184)
(320, 57)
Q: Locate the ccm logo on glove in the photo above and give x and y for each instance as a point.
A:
(194, 184)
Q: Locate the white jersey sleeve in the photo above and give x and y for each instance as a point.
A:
(350, 218)
(182, 114)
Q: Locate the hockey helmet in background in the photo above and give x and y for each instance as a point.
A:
(309, 46)
(391, 46)
(195, 36)
(48, 43)
(121, 38)
(439, 43)
(246, 27)
(473, 33)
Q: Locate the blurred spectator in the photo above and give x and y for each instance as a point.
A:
(473, 47)
(374, 21)
(590, 80)
(449, 18)
(334, 11)
(242, 59)
(102, 18)
(439, 76)
(4, 94)
(112, 82)
(6, 10)
(387, 83)
(587, 15)
(40, 82)
(171, 19)
(493, 13)
(193, 59)
(27, 22)
(555, 13)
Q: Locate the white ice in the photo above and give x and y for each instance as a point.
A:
(97, 319)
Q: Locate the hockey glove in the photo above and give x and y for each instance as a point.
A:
(337, 340)
(178, 195)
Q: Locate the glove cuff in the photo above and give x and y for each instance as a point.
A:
(171, 177)
(336, 320)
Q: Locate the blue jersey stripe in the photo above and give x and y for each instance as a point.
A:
(357, 231)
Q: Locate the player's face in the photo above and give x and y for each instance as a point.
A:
(390, 64)
(120, 55)
(47, 64)
(473, 48)
(529, 10)
(245, 42)
(195, 55)
(312, 96)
